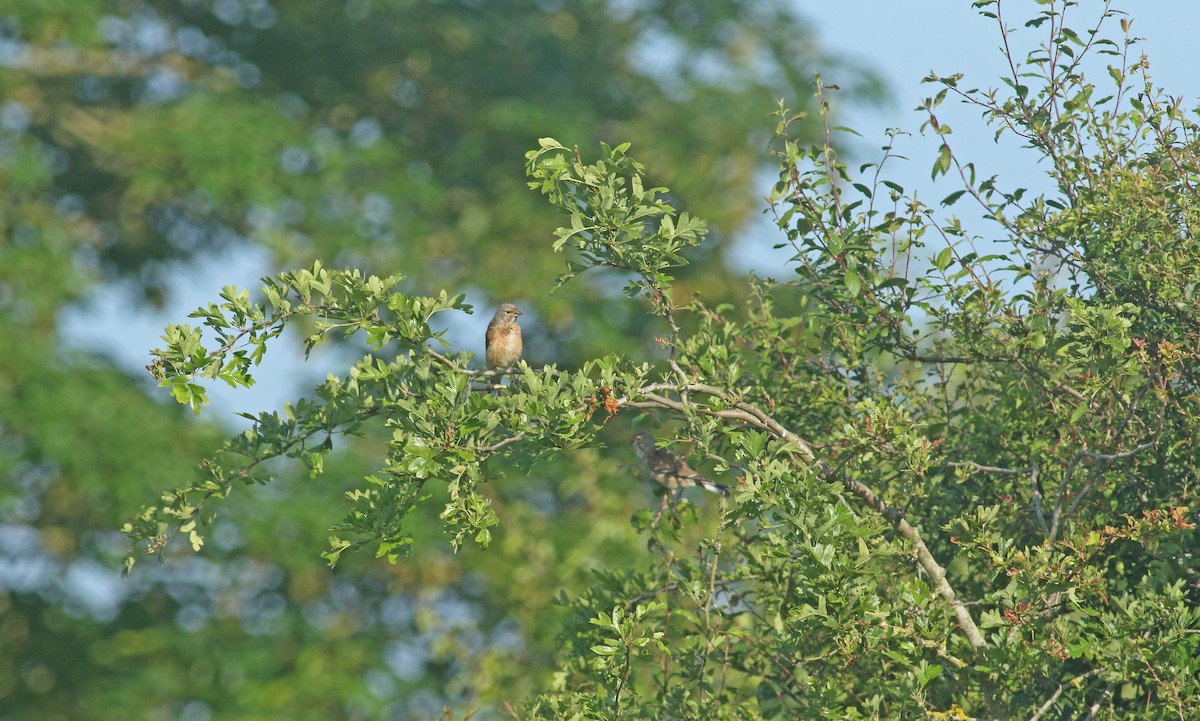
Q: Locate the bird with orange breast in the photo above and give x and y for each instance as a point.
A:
(503, 339)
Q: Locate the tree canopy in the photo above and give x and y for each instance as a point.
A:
(963, 444)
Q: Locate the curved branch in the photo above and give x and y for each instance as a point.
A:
(754, 416)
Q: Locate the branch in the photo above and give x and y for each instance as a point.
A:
(1096, 706)
(500, 444)
(484, 375)
(755, 417)
(1077, 681)
(1117, 456)
(918, 358)
(937, 575)
(1049, 702)
(223, 486)
(924, 643)
(990, 469)
(1104, 457)
(449, 363)
(967, 359)
(1056, 516)
(1033, 482)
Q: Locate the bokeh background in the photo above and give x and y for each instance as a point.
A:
(152, 152)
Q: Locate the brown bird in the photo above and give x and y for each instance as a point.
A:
(503, 339)
(669, 470)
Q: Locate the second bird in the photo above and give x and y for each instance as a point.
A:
(503, 340)
(669, 470)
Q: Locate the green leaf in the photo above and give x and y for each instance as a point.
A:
(853, 284)
(927, 673)
(1080, 411)
(942, 165)
(952, 198)
(943, 259)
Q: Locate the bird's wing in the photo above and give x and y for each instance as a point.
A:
(663, 462)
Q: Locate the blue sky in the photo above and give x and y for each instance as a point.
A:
(903, 41)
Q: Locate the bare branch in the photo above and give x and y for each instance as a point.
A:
(1049, 702)
(1058, 692)
(989, 469)
(1096, 706)
(502, 443)
(449, 363)
(1117, 456)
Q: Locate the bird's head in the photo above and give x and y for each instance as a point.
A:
(506, 313)
(643, 443)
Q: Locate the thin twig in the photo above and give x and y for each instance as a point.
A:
(500, 444)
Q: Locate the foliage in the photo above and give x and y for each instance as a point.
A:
(137, 136)
(964, 477)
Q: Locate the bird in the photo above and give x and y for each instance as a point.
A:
(669, 470)
(503, 339)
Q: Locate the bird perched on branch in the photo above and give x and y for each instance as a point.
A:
(669, 470)
(503, 339)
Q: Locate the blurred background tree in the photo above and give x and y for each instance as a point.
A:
(139, 137)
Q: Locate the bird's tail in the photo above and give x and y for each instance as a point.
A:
(712, 486)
